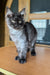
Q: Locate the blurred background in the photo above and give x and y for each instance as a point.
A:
(37, 12)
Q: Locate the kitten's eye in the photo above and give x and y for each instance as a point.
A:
(19, 21)
(13, 21)
(9, 16)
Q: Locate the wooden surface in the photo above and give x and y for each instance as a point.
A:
(39, 16)
(36, 65)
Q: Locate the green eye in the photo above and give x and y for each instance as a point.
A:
(19, 21)
(13, 21)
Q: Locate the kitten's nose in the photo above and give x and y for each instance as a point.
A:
(15, 26)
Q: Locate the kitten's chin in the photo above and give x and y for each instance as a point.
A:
(15, 27)
(18, 27)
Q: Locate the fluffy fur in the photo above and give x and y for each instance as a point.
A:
(22, 33)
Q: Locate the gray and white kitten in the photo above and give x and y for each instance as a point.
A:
(22, 33)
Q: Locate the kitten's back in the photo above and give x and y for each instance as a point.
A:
(31, 31)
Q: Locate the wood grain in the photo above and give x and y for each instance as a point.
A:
(36, 65)
(39, 16)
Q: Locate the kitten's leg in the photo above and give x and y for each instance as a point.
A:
(28, 50)
(17, 57)
(22, 60)
(32, 49)
(22, 57)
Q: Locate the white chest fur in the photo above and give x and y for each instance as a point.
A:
(15, 35)
(18, 37)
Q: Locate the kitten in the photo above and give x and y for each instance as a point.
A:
(22, 33)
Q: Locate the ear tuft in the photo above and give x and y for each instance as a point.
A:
(22, 12)
(7, 9)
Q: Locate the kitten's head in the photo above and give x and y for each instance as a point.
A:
(16, 19)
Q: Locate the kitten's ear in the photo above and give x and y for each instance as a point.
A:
(8, 9)
(22, 12)
(9, 12)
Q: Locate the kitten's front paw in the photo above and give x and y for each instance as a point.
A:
(22, 61)
(28, 50)
(33, 53)
(17, 58)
